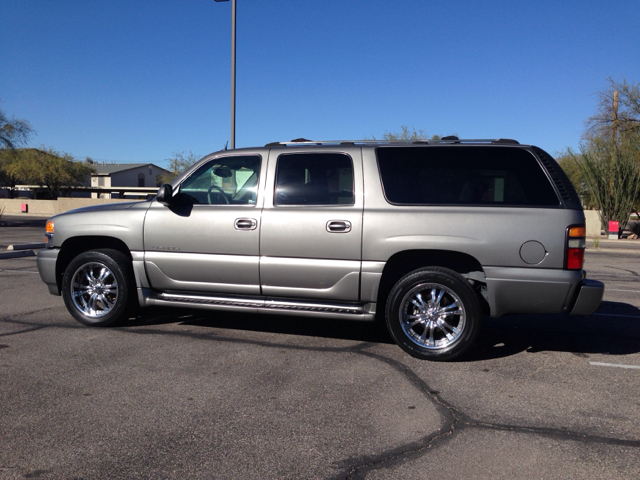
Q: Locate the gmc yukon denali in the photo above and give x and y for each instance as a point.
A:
(426, 236)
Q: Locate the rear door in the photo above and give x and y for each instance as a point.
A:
(311, 234)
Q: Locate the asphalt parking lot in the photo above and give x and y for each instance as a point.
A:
(188, 394)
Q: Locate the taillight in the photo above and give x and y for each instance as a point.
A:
(576, 242)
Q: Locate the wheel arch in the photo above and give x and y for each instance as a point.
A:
(72, 247)
(402, 263)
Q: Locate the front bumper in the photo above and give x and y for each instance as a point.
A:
(589, 297)
(46, 261)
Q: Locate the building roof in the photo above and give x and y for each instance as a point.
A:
(111, 168)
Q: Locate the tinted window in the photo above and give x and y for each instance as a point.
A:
(226, 180)
(463, 175)
(314, 179)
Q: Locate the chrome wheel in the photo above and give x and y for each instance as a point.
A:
(432, 316)
(94, 289)
(98, 287)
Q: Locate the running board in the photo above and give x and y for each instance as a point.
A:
(267, 305)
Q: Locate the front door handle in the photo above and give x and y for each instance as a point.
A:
(338, 226)
(246, 223)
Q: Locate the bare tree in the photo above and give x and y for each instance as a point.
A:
(618, 111)
(178, 164)
(13, 132)
(408, 134)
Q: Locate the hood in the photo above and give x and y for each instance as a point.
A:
(104, 208)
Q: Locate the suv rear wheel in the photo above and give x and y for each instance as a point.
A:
(433, 314)
(97, 287)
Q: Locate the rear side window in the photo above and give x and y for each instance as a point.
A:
(464, 175)
(314, 179)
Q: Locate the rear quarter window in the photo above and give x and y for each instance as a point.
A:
(464, 175)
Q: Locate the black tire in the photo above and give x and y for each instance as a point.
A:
(440, 327)
(98, 287)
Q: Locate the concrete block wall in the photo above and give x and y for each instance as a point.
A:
(594, 226)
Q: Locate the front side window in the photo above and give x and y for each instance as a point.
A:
(314, 179)
(464, 175)
(223, 181)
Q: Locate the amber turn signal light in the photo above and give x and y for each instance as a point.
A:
(577, 232)
(49, 227)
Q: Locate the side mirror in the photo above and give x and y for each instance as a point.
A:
(165, 194)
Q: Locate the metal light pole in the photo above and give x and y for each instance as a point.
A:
(233, 71)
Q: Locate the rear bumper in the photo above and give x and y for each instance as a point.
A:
(589, 297)
(47, 267)
(536, 290)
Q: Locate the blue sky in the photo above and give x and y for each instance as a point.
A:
(135, 81)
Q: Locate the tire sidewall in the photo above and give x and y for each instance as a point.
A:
(114, 260)
(453, 281)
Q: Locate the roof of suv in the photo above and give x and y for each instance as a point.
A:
(450, 140)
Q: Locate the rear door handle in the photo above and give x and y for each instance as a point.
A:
(246, 223)
(338, 226)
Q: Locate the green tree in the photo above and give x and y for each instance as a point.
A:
(51, 170)
(606, 172)
(611, 172)
(13, 132)
(178, 164)
(408, 134)
(568, 161)
(7, 180)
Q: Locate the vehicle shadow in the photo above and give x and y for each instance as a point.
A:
(614, 329)
(285, 324)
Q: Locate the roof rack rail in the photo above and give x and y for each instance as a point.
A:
(445, 140)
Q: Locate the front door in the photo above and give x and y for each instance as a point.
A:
(209, 241)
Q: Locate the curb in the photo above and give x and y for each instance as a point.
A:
(17, 254)
(27, 246)
(612, 250)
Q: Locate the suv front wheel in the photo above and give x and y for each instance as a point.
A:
(433, 314)
(97, 287)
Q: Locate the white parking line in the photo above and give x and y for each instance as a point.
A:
(616, 315)
(618, 365)
(620, 290)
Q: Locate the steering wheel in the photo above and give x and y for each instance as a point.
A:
(215, 187)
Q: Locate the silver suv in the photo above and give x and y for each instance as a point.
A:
(426, 236)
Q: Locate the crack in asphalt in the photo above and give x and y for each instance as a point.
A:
(454, 420)
(633, 273)
(32, 328)
(23, 331)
